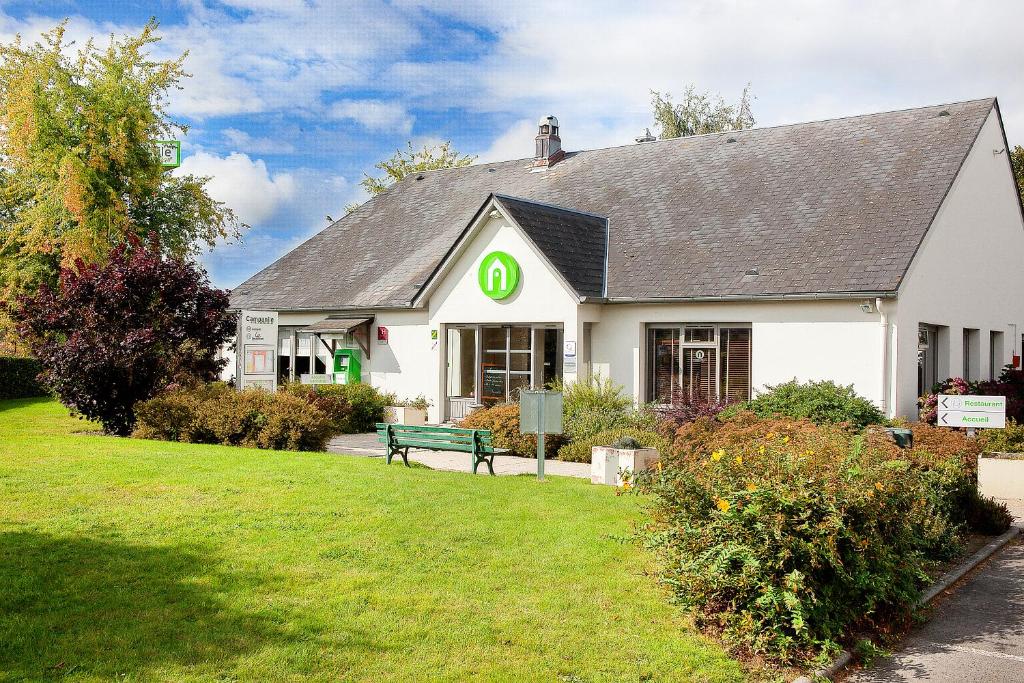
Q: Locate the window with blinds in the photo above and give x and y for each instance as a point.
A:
(689, 361)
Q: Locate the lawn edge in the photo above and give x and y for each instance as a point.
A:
(945, 582)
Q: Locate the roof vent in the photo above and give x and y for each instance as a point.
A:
(549, 145)
(420, 176)
(944, 112)
(752, 271)
(645, 137)
(490, 170)
(731, 140)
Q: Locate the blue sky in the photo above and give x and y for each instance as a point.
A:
(291, 101)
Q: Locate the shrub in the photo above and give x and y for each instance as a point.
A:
(784, 535)
(598, 405)
(579, 451)
(954, 386)
(19, 377)
(819, 402)
(1009, 384)
(112, 335)
(1007, 440)
(287, 420)
(366, 403)
(503, 422)
(333, 403)
(685, 409)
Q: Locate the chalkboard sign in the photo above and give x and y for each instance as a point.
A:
(493, 383)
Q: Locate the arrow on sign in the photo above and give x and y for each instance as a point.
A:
(944, 416)
(944, 399)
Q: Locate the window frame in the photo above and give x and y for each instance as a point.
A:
(715, 344)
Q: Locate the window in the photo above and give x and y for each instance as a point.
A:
(995, 354)
(971, 361)
(927, 353)
(698, 361)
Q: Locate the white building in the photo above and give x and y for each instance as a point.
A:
(883, 251)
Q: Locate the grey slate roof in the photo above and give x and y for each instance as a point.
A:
(828, 207)
(574, 242)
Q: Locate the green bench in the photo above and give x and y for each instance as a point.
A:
(400, 438)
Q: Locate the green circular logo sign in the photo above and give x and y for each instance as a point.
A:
(499, 275)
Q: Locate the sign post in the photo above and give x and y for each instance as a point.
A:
(540, 413)
(258, 350)
(973, 412)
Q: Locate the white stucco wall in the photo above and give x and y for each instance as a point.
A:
(969, 270)
(808, 340)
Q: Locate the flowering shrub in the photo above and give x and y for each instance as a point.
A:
(929, 403)
(685, 409)
(1010, 384)
(784, 536)
(503, 421)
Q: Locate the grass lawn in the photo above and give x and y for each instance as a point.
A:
(137, 560)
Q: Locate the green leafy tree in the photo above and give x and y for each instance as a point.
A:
(80, 170)
(404, 162)
(1017, 162)
(700, 113)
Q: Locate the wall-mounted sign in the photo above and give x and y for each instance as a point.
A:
(498, 275)
(433, 335)
(169, 152)
(973, 412)
(569, 356)
(258, 342)
(382, 335)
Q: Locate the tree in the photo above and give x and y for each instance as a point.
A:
(404, 162)
(114, 334)
(1017, 162)
(700, 113)
(80, 169)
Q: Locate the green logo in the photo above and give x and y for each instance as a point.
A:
(499, 275)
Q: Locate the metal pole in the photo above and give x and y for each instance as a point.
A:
(540, 437)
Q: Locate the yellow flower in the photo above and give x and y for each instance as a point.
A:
(760, 449)
(785, 439)
(739, 459)
(625, 486)
(770, 435)
(878, 485)
(810, 452)
(751, 487)
(717, 455)
(722, 504)
(659, 466)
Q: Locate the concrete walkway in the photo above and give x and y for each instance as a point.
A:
(976, 633)
(366, 445)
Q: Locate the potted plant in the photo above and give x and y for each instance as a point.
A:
(612, 464)
(408, 412)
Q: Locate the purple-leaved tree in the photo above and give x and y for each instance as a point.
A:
(114, 334)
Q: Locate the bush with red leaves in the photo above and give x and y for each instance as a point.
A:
(115, 334)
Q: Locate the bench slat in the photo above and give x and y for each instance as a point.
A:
(435, 445)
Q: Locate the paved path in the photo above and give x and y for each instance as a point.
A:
(366, 445)
(974, 634)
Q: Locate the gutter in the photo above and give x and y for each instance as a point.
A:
(883, 316)
(806, 296)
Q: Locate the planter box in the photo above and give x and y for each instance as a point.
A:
(400, 415)
(1001, 475)
(608, 464)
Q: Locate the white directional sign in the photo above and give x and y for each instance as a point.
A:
(978, 412)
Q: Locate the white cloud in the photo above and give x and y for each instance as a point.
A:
(242, 141)
(374, 115)
(242, 183)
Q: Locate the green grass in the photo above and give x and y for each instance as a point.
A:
(137, 560)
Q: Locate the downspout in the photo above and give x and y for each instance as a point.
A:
(884, 327)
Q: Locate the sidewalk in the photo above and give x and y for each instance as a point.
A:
(976, 633)
(367, 445)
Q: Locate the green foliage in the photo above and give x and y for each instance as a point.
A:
(786, 536)
(366, 404)
(503, 422)
(80, 173)
(819, 402)
(579, 450)
(598, 405)
(1007, 440)
(700, 113)
(18, 377)
(215, 413)
(1017, 163)
(404, 162)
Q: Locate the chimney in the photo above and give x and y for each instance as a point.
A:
(549, 145)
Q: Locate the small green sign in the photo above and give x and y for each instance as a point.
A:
(499, 275)
(169, 152)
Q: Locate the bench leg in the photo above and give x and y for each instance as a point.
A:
(405, 457)
(477, 459)
(490, 464)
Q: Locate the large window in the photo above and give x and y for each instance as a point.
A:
(694, 361)
(927, 357)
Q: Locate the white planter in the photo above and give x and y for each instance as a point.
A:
(1001, 475)
(400, 415)
(607, 465)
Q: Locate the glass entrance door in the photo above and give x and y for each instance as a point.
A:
(506, 363)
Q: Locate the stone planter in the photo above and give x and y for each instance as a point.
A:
(607, 464)
(401, 415)
(1001, 475)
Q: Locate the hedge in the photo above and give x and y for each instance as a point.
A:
(18, 377)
